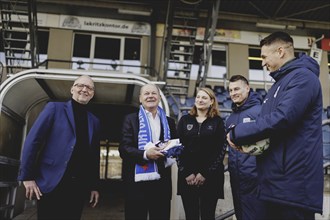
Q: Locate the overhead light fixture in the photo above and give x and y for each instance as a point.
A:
(273, 26)
(276, 26)
(133, 12)
(291, 27)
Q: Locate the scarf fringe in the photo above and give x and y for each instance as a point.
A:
(146, 176)
(150, 172)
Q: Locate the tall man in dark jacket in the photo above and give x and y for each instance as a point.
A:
(148, 185)
(66, 136)
(290, 173)
(242, 167)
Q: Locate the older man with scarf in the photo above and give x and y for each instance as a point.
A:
(146, 171)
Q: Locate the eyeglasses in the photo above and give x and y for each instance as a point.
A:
(81, 86)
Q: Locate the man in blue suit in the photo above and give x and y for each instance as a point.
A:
(60, 158)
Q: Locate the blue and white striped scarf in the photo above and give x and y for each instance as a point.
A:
(149, 171)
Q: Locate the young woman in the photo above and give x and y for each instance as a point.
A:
(201, 171)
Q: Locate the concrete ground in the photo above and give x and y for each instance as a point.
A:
(111, 205)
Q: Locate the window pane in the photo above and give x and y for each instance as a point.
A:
(259, 75)
(219, 58)
(82, 45)
(43, 38)
(107, 48)
(256, 71)
(219, 64)
(254, 52)
(255, 64)
(132, 49)
(132, 56)
(81, 51)
(218, 67)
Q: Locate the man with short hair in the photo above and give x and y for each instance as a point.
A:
(242, 167)
(147, 179)
(60, 158)
(290, 171)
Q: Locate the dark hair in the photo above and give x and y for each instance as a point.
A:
(278, 36)
(235, 78)
(214, 109)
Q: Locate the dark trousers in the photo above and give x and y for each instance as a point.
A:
(158, 209)
(66, 201)
(247, 206)
(196, 206)
(277, 211)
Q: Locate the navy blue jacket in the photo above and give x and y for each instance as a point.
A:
(54, 132)
(242, 167)
(290, 172)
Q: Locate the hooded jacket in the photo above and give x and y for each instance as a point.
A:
(242, 167)
(290, 172)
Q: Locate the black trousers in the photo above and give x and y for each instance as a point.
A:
(198, 206)
(139, 209)
(246, 204)
(66, 201)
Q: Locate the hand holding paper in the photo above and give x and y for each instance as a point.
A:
(171, 148)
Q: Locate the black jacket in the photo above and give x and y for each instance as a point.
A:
(203, 153)
(131, 156)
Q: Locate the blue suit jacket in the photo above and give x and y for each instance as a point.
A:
(53, 137)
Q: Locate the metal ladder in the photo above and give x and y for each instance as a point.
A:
(19, 34)
(209, 34)
(182, 26)
(183, 21)
(8, 186)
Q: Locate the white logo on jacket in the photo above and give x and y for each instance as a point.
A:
(189, 126)
(247, 120)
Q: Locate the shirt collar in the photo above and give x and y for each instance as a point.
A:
(149, 114)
